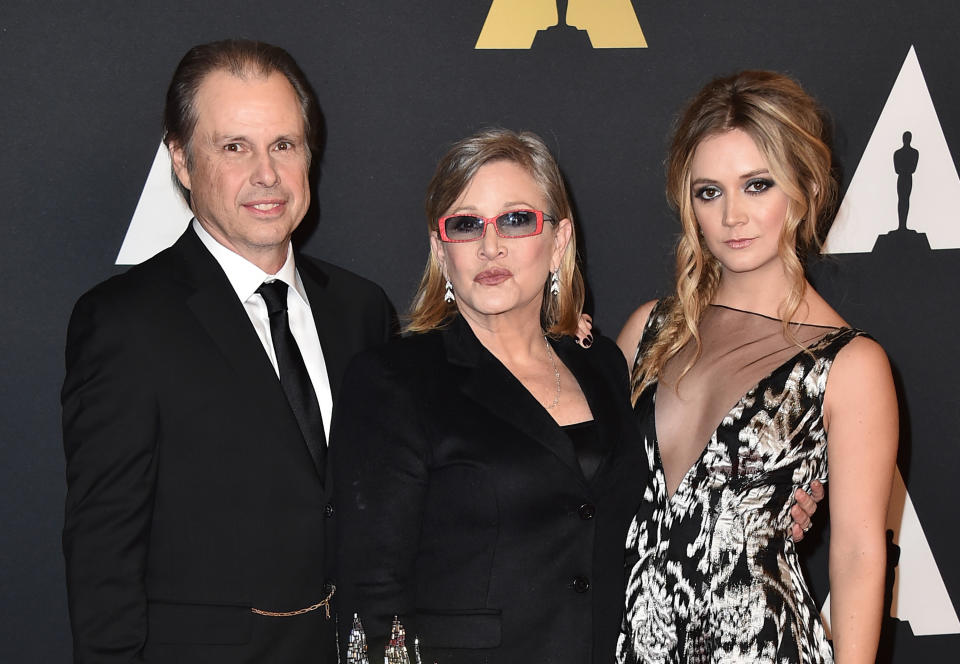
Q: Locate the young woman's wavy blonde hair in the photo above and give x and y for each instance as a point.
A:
(791, 133)
(558, 315)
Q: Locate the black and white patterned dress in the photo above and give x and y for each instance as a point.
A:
(712, 575)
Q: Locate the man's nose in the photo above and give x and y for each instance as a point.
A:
(265, 172)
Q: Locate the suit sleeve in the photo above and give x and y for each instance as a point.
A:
(388, 325)
(109, 435)
(380, 453)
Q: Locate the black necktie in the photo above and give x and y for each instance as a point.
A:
(293, 373)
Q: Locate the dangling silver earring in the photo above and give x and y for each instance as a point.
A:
(555, 283)
(448, 296)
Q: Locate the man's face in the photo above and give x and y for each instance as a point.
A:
(248, 180)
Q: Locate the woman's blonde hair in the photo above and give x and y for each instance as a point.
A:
(792, 134)
(558, 315)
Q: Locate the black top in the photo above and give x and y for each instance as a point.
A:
(586, 445)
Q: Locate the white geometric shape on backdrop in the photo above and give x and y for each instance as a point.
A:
(870, 205)
(160, 218)
(919, 594)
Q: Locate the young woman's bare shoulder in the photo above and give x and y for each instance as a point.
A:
(629, 337)
(860, 357)
(860, 378)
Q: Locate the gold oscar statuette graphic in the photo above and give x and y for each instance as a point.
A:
(513, 24)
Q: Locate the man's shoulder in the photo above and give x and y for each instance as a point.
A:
(329, 275)
(136, 284)
(355, 300)
(416, 355)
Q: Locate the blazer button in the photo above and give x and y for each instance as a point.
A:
(587, 511)
(581, 584)
(328, 510)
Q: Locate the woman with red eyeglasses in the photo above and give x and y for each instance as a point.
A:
(487, 466)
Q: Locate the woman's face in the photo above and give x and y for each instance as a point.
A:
(494, 276)
(739, 207)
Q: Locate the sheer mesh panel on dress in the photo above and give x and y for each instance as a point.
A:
(739, 349)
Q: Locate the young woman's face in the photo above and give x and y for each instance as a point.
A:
(739, 207)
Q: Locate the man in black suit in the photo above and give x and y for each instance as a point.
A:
(199, 388)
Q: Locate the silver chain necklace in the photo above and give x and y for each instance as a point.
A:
(556, 373)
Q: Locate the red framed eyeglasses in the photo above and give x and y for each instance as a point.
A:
(511, 224)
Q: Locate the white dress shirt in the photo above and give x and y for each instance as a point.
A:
(245, 277)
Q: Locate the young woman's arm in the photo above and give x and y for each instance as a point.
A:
(629, 337)
(860, 414)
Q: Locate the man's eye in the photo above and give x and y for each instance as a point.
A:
(284, 145)
(232, 147)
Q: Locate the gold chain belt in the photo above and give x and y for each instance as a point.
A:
(325, 603)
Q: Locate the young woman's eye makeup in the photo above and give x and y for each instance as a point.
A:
(758, 185)
(755, 185)
(707, 192)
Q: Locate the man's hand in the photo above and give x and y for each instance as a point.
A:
(803, 509)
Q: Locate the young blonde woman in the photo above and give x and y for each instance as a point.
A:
(745, 383)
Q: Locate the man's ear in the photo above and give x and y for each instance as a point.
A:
(178, 156)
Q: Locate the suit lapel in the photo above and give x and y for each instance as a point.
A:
(324, 306)
(486, 381)
(220, 313)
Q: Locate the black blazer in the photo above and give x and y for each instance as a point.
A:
(191, 494)
(462, 506)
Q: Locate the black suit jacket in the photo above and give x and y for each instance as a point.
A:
(462, 506)
(191, 494)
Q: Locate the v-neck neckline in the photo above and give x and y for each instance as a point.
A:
(836, 331)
